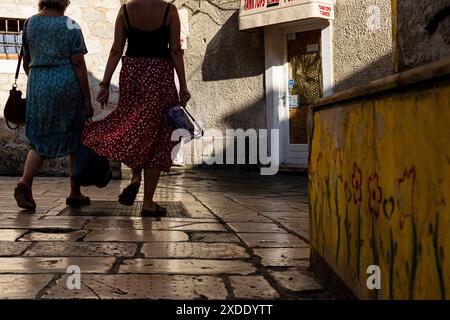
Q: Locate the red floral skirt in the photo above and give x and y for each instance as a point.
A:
(137, 133)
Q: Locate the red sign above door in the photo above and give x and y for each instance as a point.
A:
(259, 13)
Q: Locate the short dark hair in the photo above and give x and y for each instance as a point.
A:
(60, 5)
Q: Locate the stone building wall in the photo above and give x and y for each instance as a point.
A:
(423, 32)
(225, 68)
(362, 42)
(225, 71)
(96, 18)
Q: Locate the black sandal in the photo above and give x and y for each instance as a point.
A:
(78, 202)
(159, 212)
(23, 197)
(128, 195)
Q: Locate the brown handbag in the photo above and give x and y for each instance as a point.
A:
(16, 106)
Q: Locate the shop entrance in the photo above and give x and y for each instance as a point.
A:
(304, 88)
(299, 72)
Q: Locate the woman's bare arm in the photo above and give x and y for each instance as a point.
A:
(79, 65)
(114, 57)
(26, 58)
(177, 54)
(26, 65)
(116, 50)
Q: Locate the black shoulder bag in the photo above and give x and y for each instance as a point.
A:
(16, 106)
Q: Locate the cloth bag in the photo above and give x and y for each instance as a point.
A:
(91, 169)
(16, 107)
(180, 118)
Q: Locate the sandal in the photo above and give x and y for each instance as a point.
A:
(24, 198)
(78, 202)
(128, 195)
(159, 212)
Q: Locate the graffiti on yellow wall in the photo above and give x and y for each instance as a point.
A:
(380, 193)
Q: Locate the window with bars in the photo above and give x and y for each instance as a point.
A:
(10, 37)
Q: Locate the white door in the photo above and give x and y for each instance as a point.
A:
(302, 87)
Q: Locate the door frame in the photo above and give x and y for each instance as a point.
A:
(277, 81)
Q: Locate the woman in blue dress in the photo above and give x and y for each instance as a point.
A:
(58, 96)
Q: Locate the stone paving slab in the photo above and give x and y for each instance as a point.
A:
(302, 205)
(246, 218)
(223, 213)
(193, 250)
(126, 235)
(43, 224)
(54, 264)
(138, 286)
(12, 209)
(191, 266)
(43, 236)
(254, 227)
(272, 207)
(212, 237)
(296, 280)
(82, 249)
(303, 233)
(283, 257)
(77, 219)
(142, 223)
(272, 240)
(252, 287)
(201, 227)
(11, 234)
(297, 227)
(25, 286)
(190, 220)
(12, 248)
(132, 224)
(288, 218)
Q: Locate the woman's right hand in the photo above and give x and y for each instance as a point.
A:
(185, 96)
(88, 108)
(103, 96)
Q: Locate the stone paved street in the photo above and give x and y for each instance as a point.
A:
(246, 238)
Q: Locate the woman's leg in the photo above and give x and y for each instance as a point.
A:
(32, 165)
(151, 179)
(128, 195)
(23, 192)
(137, 176)
(75, 189)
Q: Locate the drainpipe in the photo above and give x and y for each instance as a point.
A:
(394, 12)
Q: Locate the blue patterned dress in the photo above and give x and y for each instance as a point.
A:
(55, 103)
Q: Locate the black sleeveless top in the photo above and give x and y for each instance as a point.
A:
(154, 43)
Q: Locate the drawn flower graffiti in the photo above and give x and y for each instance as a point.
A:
(357, 183)
(405, 194)
(389, 207)
(375, 195)
(338, 165)
(348, 192)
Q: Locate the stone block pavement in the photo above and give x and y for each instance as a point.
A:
(247, 238)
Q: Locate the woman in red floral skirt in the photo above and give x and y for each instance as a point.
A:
(137, 133)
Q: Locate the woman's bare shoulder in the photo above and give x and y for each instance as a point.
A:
(173, 11)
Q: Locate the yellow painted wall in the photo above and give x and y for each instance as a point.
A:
(380, 192)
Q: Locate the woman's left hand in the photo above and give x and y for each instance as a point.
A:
(103, 97)
(88, 108)
(185, 96)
